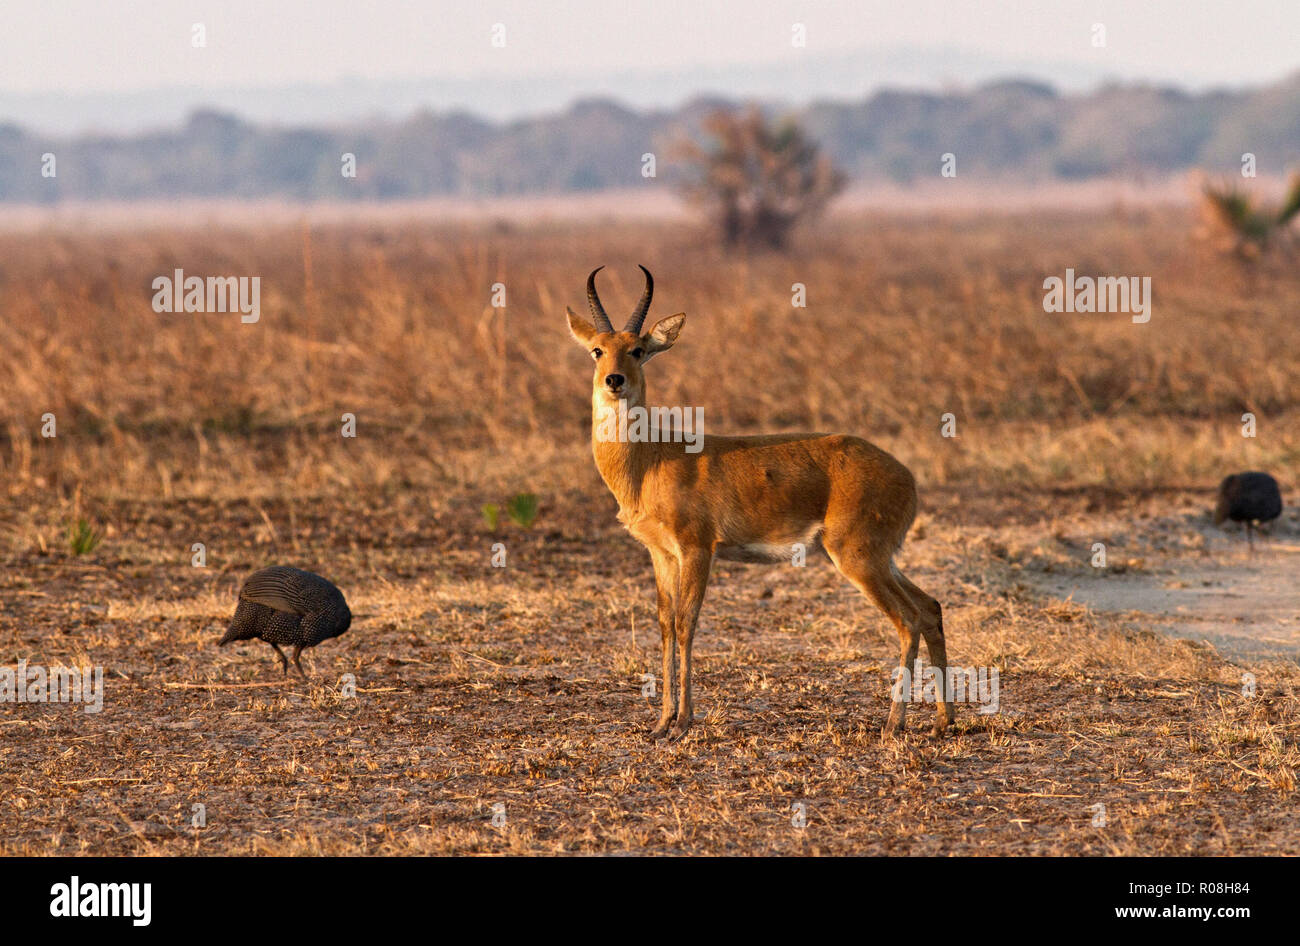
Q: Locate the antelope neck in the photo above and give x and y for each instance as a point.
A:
(622, 464)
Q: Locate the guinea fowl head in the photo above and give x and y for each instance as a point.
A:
(240, 628)
(1224, 505)
(345, 620)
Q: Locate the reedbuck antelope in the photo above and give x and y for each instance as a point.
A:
(748, 499)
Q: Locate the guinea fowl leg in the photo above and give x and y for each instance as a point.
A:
(284, 661)
(297, 651)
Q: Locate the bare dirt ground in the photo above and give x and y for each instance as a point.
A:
(1243, 602)
(1182, 575)
(521, 687)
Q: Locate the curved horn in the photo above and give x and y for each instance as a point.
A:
(642, 307)
(593, 300)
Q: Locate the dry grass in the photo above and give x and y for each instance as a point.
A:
(907, 320)
(521, 686)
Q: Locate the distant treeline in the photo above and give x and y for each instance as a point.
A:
(1016, 128)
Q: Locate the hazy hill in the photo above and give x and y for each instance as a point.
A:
(1010, 128)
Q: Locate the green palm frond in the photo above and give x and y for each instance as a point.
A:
(1237, 213)
(1291, 206)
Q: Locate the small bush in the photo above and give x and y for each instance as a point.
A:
(83, 538)
(522, 510)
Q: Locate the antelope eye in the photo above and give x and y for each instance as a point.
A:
(637, 353)
(596, 353)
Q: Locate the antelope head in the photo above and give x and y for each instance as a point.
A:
(620, 356)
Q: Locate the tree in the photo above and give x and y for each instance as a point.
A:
(758, 180)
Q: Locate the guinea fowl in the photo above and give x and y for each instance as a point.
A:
(1250, 498)
(288, 606)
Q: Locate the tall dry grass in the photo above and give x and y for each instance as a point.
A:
(906, 320)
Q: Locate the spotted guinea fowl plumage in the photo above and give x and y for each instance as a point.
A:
(1249, 498)
(289, 606)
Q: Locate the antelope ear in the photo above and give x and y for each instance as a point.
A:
(581, 330)
(662, 336)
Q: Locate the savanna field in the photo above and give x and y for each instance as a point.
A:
(518, 689)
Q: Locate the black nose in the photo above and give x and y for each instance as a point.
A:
(614, 381)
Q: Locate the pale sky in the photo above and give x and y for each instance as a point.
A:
(110, 46)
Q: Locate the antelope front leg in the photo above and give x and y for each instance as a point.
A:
(901, 692)
(665, 586)
(692, 582)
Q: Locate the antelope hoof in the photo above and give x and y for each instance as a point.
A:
(660, 731)
(679, 730)
(894, 726)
